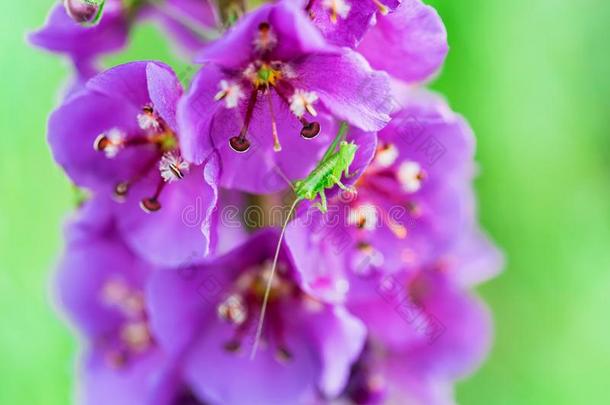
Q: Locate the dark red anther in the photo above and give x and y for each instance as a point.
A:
(121, 190)
(310, 129)
(239, 144)
(150, 205)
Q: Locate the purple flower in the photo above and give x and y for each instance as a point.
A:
(425, 332)
(307, 345)
(427, 336)
(412, 202)
(271, 78)
(65, 33)
(118, 136)
(101, 286)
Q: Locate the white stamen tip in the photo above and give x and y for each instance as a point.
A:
(386, 155)
(365, 217)
(173, 167)
(233, 310)
(230, 92)
(336, 8)
(110, 142)
(148, 121)
(302, 101)
(410, 176)
(265, 39)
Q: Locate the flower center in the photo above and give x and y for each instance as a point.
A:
(379, 182)
(154, 134)
(133, 336)
(241, 308)
(263, 77)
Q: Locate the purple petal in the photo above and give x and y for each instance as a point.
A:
(72, 130)
(128, 81)
(164, 90)
(172, 236)
(62, 34)
(195, 115)
(104, 259)
(104, 384)
(361, 97)
(198, 11)
(295, 33)
(410, 43)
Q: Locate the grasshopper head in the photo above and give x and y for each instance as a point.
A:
(347, 151)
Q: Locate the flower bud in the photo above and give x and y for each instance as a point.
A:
(86, 12)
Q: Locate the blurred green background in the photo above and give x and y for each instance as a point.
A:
(533, 78)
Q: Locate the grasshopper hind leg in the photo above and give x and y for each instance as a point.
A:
(322, 205)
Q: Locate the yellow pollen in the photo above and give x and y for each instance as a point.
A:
(266, 76)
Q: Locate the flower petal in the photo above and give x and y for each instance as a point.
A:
(362, 96)
(409, 43)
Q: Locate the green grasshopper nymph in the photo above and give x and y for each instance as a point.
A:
(325, 175)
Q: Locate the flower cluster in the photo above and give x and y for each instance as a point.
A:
(364, 297)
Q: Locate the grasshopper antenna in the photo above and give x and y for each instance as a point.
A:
(261, 320)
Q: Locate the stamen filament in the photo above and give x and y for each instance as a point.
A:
(276, 140)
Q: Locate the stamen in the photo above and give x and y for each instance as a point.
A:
(337, 8)
(172, 167)
(364, 217)
(383, 9)
(265, 39)
(152, 204)
(116, 358)
(232, 346)
(302, 101)
(240, 143)
(276, 139)
(136, 336)
(121, 190)
(400, 231)
(283, 355)
(114, 292)
(110, 143)
(310, 129)
(233, 310)
(410, 175)
(230, 92)
(148, 119)
(386, 155)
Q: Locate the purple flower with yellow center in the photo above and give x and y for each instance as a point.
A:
(85, 29)
(269, 87)
(307, 345)
(117, 136)
(412, 203)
